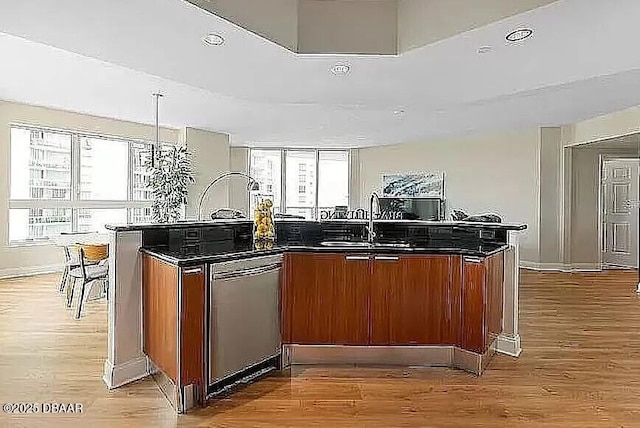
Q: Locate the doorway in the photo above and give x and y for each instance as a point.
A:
(619, 212)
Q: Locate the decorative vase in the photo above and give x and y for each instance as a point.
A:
(263, 229)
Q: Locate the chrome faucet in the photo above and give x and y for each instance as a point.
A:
(370, 231)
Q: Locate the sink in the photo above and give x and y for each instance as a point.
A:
(362, 244)
(392, 244)
(358, 244)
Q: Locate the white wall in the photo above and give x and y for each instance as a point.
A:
(494, 173)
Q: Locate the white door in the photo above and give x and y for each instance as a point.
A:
(620, 214)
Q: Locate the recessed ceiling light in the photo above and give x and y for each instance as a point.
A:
(398, 112)
(213, 39)
(340, 69)
(484, 49)
(519, 34)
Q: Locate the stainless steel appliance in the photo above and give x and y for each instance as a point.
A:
(244, 321)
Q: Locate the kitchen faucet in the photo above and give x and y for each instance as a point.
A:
(371, 232)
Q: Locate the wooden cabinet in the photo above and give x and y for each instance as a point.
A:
(414, 300)
(325, 299)
(481, 302)
(350, 314)
(387, 277)
(174, 320)
(352, 299)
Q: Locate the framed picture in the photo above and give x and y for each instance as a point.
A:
(413, 185)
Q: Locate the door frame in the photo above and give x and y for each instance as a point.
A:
(601, 205)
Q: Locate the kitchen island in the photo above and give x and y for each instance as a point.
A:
(426, 293)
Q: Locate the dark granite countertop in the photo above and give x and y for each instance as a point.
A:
(181, 258)
(196, 223)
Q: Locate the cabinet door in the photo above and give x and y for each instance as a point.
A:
(350, 318)
(413, 300)
(425, 298)
(310, 282)
(387, 277)
(326, 299)
(493, 307)
(474, 329)
(193, 325)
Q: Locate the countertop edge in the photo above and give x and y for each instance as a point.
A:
(280, 250)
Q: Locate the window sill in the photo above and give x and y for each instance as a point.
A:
(21, 244)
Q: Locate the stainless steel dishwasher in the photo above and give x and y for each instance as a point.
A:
(244, 321)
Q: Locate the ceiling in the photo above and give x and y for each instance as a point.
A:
(109, 58)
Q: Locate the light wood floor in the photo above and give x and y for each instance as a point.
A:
(580, 368)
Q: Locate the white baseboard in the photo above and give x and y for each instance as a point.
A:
(509, 345)
(121, 374)
(561, 267)
(29, 271)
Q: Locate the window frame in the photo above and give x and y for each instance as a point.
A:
(315, 209)
(75, 203)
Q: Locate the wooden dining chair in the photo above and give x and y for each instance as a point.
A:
(87, 273)
(70, 263)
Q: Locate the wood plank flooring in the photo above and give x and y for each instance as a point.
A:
(580, 368)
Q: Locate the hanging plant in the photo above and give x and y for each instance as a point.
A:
(171, 173)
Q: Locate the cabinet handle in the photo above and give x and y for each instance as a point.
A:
(387, 258)
(356, 257)
(473, 259)
(192, 271)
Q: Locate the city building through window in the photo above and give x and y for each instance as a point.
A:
(301, 182)
(71, 182)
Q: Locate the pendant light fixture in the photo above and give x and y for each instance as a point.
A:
(156, 144)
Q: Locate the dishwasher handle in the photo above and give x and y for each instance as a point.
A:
(247, 272)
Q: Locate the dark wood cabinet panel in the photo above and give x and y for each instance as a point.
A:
(482, 310)
(192, 326)
(350, 317)
(386, 277)
(392, 300)
(160, 314)
(326, 299)
(494, 303)
(411, 300)
(310, 285)
(455, 300)
(473, 330)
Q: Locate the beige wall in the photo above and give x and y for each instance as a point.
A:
(238, 195)
(27, 259)
(581, 180)
(603, 127)
(493, 173)
(551, 196)
(584, 235)
(210, 156)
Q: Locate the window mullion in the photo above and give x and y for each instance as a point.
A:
(75, 181)
(315, 208)
(283, 180)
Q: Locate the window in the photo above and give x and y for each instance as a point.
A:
(73, 182)
(266, 169)
(307, 180)
(333, 179)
